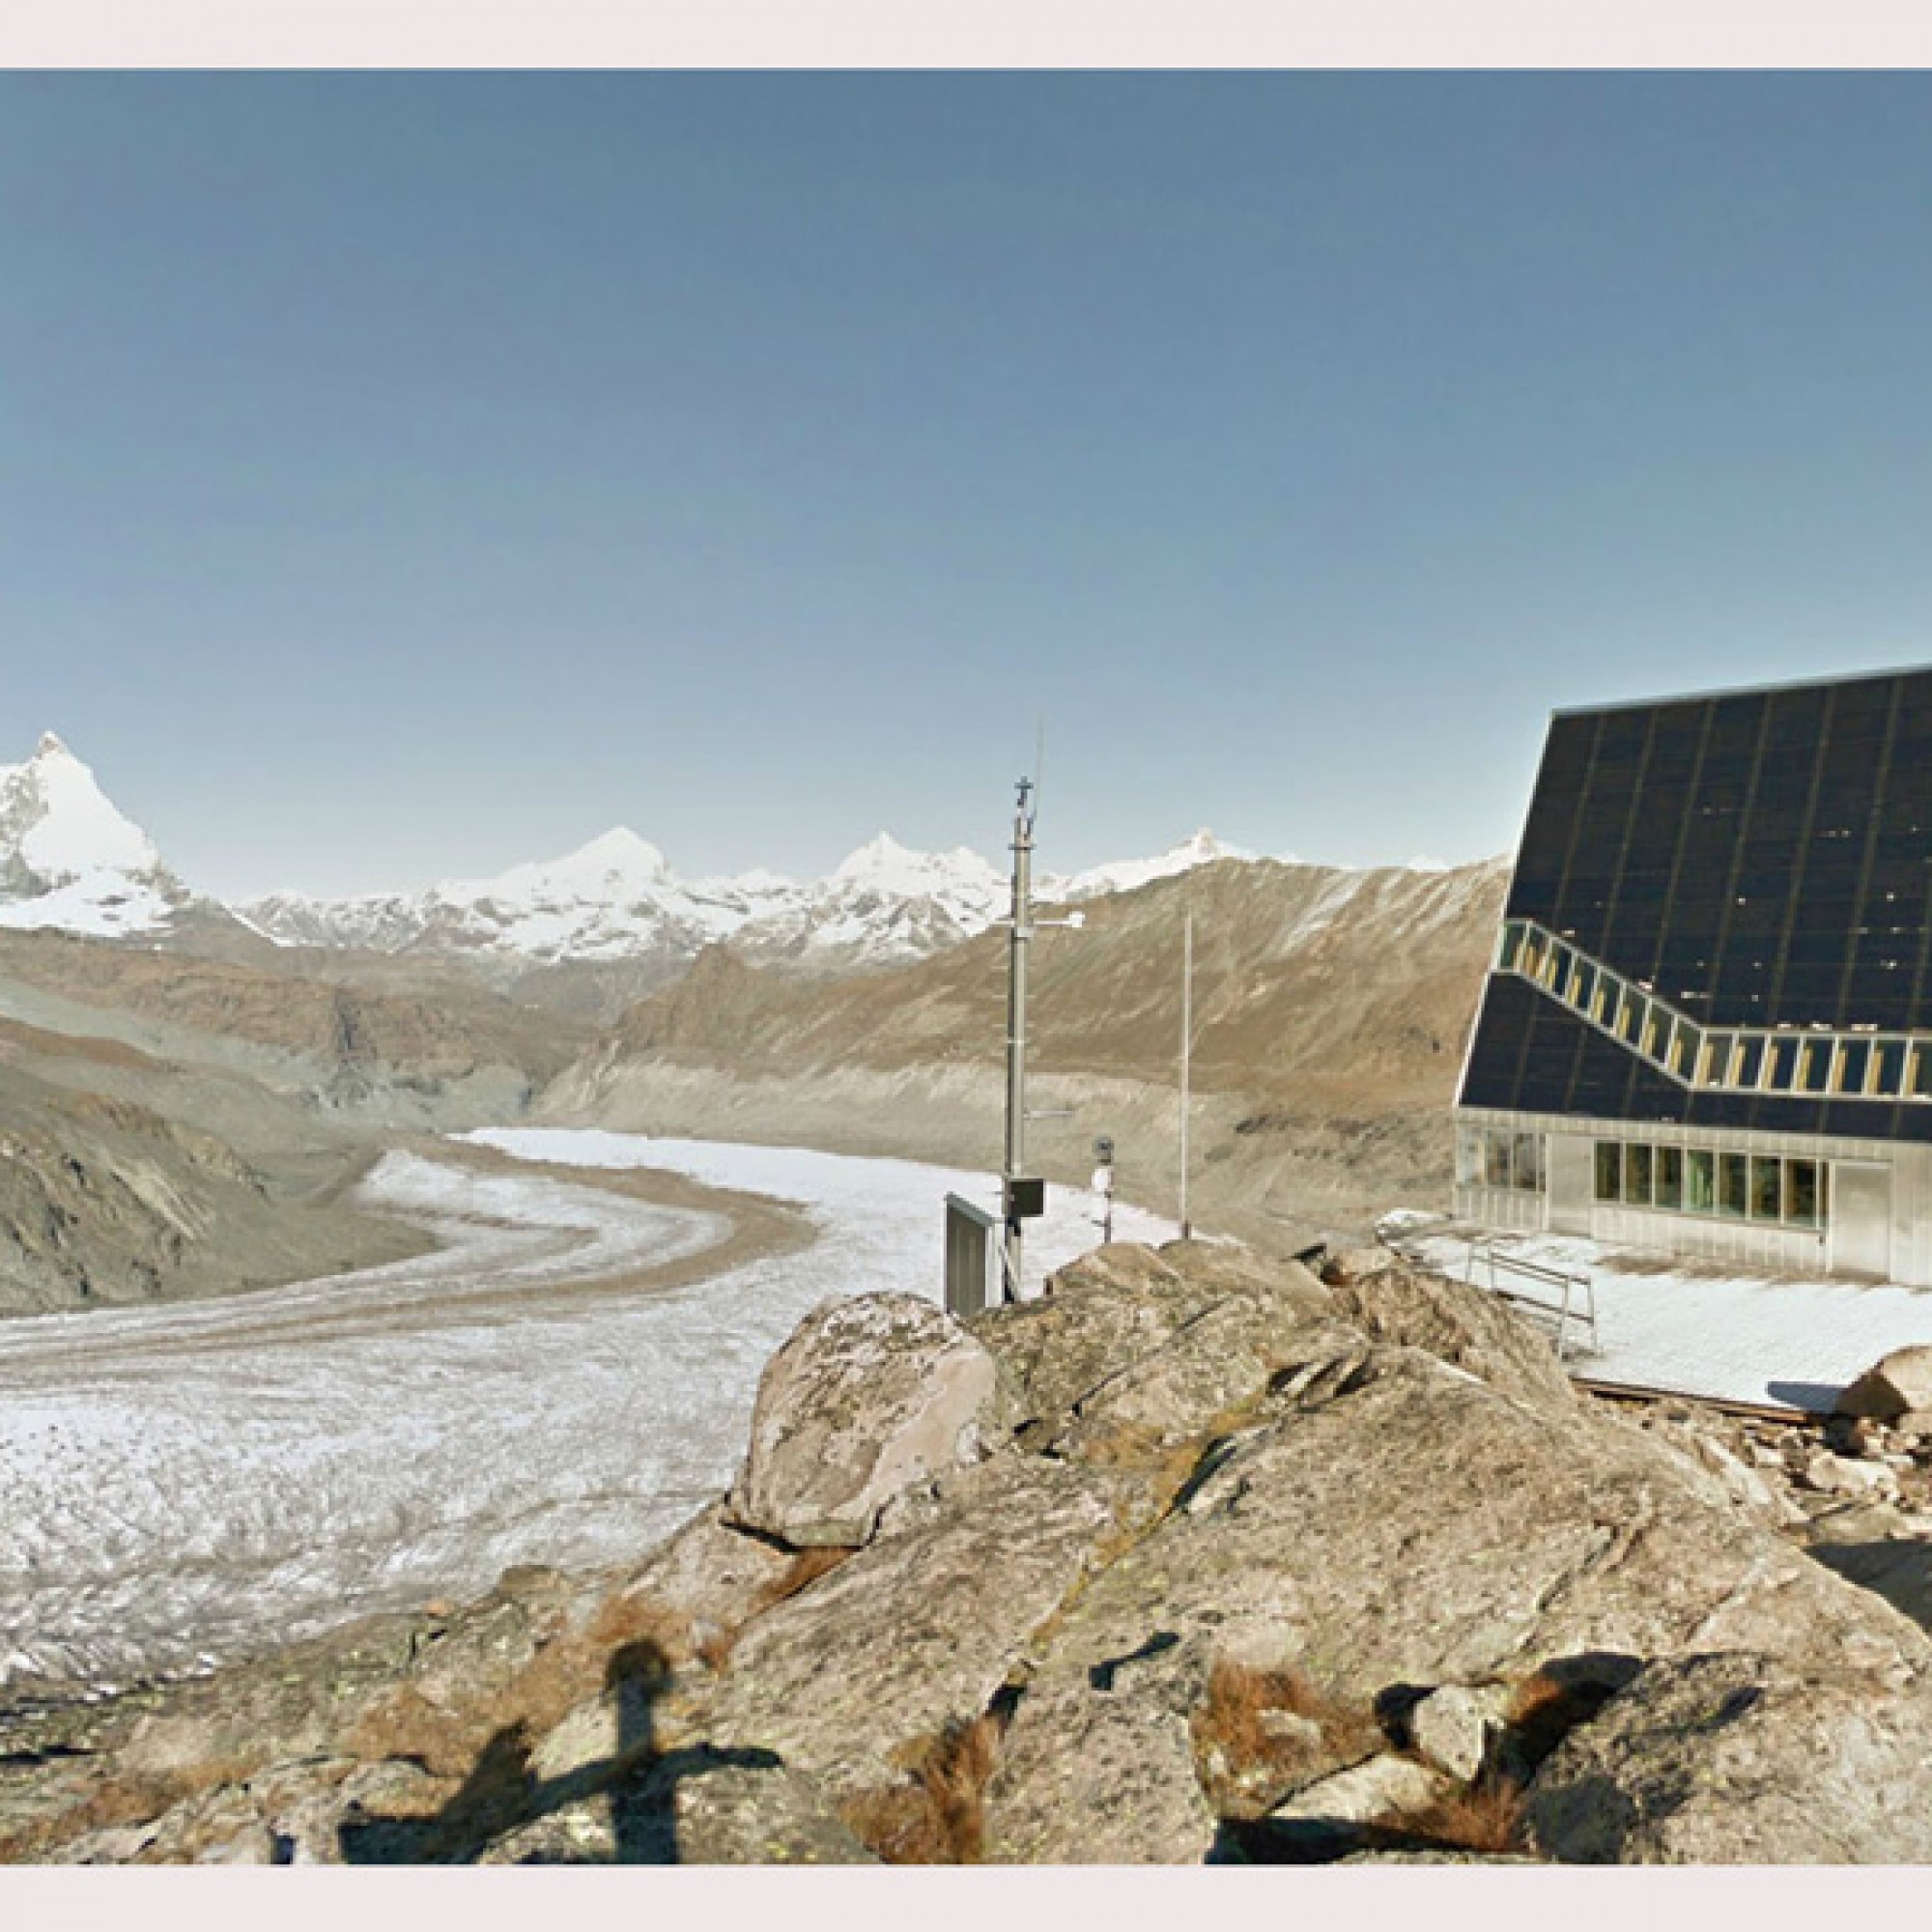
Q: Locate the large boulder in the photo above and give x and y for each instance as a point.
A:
(871, 1394)
(920, 1630)
(1112, 1310)
(1894, 1386)
(1737, 1758)
(1457, 1324)
(1190, 1383)
(711, 1573)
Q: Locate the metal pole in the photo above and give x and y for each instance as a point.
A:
(1016, 1020)
(1186, 1058)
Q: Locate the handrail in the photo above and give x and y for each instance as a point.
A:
(1807, 1062)
(1579, 1290)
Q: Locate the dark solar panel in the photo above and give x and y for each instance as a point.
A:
(1758, 857)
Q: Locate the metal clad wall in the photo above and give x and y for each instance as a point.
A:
(1570, 1205)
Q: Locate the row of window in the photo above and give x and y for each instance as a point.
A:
(1787, 1191)
(1790, 1192)
(1496, 1157)
(1844, 1065)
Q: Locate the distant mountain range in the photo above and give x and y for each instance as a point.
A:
(69, 860)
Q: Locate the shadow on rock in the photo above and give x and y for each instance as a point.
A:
(503, 1793)
(1899, 1571)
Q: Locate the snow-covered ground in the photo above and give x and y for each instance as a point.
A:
(1791, 1343)
(187, 1483)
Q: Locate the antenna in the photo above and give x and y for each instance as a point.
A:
(1022, 1196)
(1019, 1195)
(1186, 1058)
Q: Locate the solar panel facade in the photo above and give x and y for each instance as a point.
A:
(1753, 860)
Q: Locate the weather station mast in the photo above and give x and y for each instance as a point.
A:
(1022, 1197)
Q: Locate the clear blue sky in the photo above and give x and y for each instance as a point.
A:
(406, 475)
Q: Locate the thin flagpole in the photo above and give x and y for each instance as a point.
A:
(1186, 1058)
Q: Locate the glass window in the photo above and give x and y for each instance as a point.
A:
(1635, 1010)
(1497, 1159)
(1853, 1064)
(1921, 1069)
(1685, 1046)
(1767, 1188)
(1733, 1185)
(1889, 1077)
(1529, 1162)
(1717, 1066)
(1511, 949)
(1610, 1170)
(1470, 1156)
(1669, 1191)
(1636, 1174)
(1815, 1065)
(1800, 1192)
(1749, 1070)
(1700, 1187)
(1782, 1067)
(1824, 1194)
(1585, 988)
(1656, 1034)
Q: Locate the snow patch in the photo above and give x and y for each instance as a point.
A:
(1127, 874)
(1699, 1331)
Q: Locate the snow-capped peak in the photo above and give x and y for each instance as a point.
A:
(1203, 849)
(612, 865)
(884, 865)
(68, 858)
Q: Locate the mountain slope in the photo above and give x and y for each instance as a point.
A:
(105, 1201)
(404, 1055)
(1353, 985)
(1331, 1009)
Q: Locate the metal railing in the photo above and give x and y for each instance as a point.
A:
(1571, 1298)
(1806, 1063)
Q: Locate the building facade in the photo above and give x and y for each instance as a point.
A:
(1707, 1029)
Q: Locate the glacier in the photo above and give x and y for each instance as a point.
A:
(183, 1485)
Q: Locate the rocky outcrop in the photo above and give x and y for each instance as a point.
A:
(869, 1395)
(1736, 1757)
(922, 1628)
(1100, 1773)
(1199, 1558)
